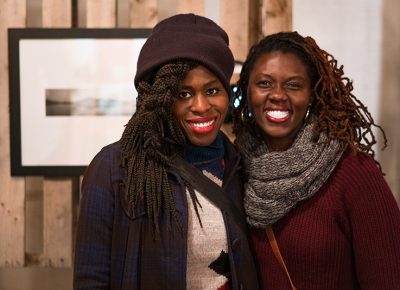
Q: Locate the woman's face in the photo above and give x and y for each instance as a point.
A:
(201, 106)
(279, 93)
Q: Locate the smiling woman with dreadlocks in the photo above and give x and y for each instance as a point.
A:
(320, 211)
(144, 223)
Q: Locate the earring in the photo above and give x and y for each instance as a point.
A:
(245, 115)
(308, 112)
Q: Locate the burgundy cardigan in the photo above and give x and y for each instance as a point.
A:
(347, 236)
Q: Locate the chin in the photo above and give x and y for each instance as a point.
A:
(203, 140)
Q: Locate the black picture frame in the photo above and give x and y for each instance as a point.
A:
(68, 95)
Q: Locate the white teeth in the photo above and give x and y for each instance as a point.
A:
(202, 125)
(278, 114)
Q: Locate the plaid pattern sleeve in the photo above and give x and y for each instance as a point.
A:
(116, 251)
(94, 231)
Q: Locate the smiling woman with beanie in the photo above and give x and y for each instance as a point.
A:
(142, 224)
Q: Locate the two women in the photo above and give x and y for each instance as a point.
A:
(313, 186)
(306, 143)
(142, 225)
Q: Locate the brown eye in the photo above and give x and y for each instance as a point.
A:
(184, 95)
(293, 85)
(212, 91)
(265, 84)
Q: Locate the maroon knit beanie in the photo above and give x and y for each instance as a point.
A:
(187, 36)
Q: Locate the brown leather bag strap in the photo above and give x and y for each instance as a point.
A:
(277, 253)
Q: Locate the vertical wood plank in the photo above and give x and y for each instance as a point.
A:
(56, 13)
(123, 13)
(57, 192)
(190, 6)
(33, 218)
(12, 191)
(255, 19)
(101, 13)
(276, 16)
(236, 22)
(167, 8)
(389, 102)
(57, 227)
(143, 14)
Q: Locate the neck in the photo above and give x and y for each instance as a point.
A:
(278, 145)
(281, 143)
(195, 153)
(209, 158)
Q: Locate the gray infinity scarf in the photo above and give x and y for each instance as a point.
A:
(277, 181)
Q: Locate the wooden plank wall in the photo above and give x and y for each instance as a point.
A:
(277, 16)
(57, 192)
(12, 190)
(245, 22)
(390, 88)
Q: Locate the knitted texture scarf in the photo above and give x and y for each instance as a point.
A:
(277, 181)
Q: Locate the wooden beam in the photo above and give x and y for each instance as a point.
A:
(12, 192)
(143, 14)
(276, 16)
(190, 6)
(56, 13)
(57, 226)
(389, 102)
(236, 22)
(101, 13)
(57, 193)
(255, 20)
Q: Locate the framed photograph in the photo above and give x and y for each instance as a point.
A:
(71, 93)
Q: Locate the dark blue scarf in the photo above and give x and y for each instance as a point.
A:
(209, 158)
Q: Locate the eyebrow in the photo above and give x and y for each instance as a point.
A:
(296, 78)
(212, 82)
(289, 78)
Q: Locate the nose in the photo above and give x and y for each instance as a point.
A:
(278, 93)
(200, 104)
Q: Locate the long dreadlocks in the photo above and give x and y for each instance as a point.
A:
(339, 113)
(151, 138)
